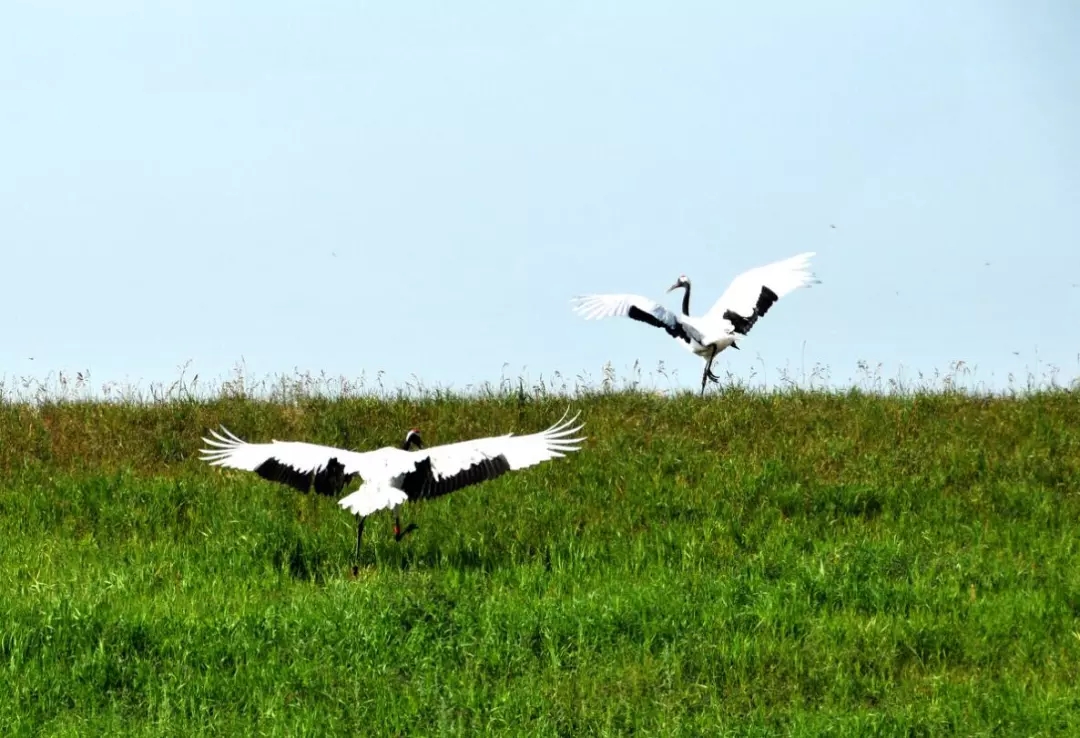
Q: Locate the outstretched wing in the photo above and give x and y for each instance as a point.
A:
(444, 469)
(297, 464)
(593, 307)
(752, 293)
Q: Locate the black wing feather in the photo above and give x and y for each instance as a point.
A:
(743, 324)
(332, 479)
(329, 481)
(663, 318)
(420, 483)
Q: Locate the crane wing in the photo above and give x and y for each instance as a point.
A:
(594, 307)
(752, 293)
(295, 463)
(443, 469)
(391, 475)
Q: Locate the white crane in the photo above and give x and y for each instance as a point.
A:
(391, 475)
(747, 298)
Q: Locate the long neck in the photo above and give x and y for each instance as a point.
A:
(686, 300)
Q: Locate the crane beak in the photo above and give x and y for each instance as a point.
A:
(674, 287)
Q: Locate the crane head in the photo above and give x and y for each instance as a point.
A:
(682, 281)
(412, 438)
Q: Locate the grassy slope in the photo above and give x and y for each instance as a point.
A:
(809, 564)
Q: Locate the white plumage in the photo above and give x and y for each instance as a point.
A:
(391, 475)
(782, 277)
(743, 303)
(372, 497)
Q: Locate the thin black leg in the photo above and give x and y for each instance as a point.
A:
(707, 374)
(359, 535)
(398, 532)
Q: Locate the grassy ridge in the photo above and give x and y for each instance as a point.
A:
(801, 563)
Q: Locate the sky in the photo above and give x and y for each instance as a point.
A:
(419, 188)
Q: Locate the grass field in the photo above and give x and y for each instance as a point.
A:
(802, 563)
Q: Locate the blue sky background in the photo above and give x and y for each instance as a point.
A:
(420, 187)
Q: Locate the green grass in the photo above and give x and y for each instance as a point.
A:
(803, 563)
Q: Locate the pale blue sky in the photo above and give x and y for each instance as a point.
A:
(176, 179)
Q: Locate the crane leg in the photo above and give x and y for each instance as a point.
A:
(398, 532)
(359, 535)
(708, 374)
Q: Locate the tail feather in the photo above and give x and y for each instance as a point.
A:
(371, 498)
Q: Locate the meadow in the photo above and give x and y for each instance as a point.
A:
(801, 562)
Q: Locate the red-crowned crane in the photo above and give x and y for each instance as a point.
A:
(747, 298)
(391, 475)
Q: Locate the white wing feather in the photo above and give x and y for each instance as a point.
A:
(234, 453)
(595, 307)
(782, 277)
(520, 451)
